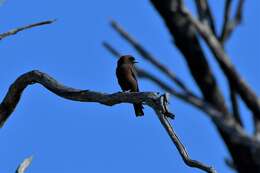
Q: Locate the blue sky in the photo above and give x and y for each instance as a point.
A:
(66, 136)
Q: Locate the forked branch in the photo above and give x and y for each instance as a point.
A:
(205, 14)
(230, 24)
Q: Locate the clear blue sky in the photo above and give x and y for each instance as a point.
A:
(66, 136)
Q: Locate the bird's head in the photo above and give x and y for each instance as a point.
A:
(126, 59)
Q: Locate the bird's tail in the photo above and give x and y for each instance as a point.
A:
(138, 109)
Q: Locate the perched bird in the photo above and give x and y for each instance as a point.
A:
(127, 79)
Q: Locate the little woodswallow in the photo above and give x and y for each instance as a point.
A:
(127, 79)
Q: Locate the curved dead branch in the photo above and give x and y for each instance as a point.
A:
(16, 89)
(159, 103)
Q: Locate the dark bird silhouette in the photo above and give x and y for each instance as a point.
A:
(127, 79)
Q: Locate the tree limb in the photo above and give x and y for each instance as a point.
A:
(24, 165)
(205, 14)
(230, 24)
(16, 30)
(159, 103)
(15, 91)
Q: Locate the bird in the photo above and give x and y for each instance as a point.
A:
(127, 79)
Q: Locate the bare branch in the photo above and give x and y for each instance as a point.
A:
(147, 56)
(24, 165)
(16, 30)
(159, 103)
(226, 21)
(245, 92)
(230, 24)
(205, 14)
(15, 91)
(185, 156)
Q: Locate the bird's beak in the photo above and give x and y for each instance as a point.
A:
(134, 62)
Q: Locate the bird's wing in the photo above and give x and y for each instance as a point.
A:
(134, 74)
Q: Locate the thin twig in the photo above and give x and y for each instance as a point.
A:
(182, 150)
(235, 106)
(225, 21)
(230, 24)
(24, 165)
(147, 56)
(16, 30)
(205, 14)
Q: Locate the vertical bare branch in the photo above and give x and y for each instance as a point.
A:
(230, 24)
(205, 14)
(227, 13)
(235, 106)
